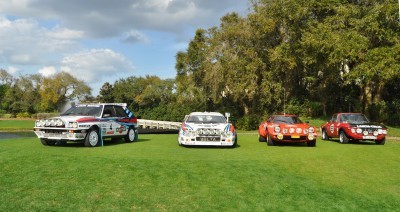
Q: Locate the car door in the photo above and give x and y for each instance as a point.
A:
(109, 118)
(332, 128)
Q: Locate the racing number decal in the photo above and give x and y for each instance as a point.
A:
(331, 128)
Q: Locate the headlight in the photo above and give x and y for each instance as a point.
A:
(285, 130)
(59, 123)
(73, 125)
(47, 122)
(359, 130)
(353, 130)
(305, 131)
(384, 132)
(39, 123)
(311, 129)
(376, 133)
(291, 130)
(380, 131)
(365, 132)
(277, 129)
(298, 130)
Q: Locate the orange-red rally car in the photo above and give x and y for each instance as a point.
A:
(286, 128)
(353, 126)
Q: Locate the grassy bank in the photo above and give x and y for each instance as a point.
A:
(156, 174)
(16, 124)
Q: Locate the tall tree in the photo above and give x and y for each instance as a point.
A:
(60, 88)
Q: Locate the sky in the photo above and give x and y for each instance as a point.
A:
(100, 41)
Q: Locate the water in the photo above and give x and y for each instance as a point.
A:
(8, 135)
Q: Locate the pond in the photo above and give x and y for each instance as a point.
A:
(7, 135)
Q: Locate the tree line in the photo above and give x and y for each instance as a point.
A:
(307, 57)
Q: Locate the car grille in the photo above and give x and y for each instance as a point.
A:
(208, 138)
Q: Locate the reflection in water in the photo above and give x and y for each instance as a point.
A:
(6, 135)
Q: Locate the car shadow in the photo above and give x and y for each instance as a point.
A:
(211, 147)
(355, 142)
(106, 142)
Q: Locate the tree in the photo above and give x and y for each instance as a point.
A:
(60, 88)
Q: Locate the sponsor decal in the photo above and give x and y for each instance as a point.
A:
(110, 132)
(121, 129)
(84, 125)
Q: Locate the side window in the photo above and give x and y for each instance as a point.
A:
(334, 118)
(108, 111)
(120, 112)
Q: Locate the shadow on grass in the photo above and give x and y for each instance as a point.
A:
(211, 147)
(106, 142)
(352, 142)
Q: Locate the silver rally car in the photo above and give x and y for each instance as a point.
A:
(207, 129)
(88, 124)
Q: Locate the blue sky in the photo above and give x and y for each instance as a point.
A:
(102, 41)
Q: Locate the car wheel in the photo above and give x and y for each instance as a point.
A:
(131, 136)
(381, 142)
(324, 135)
(261, 138)
(311, 143)
(270, 142)
(343, 138)
(236, 141)
(92, 138)
(48, 142)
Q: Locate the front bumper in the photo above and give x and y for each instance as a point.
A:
(294, 138)
(207, 141)
(60, 134)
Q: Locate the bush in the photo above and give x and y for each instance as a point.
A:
(44, 115)
(248, 122)
(23, 115)
(7, 116)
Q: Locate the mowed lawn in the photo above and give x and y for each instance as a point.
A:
(155, 174)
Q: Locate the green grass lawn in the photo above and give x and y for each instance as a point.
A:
(155, 174)
(16, 124)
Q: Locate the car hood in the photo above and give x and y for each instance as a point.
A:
(76, 118)
(194, 126)
(368, 125)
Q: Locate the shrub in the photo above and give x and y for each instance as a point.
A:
(23, 115)
(45, 115)
(248, 122)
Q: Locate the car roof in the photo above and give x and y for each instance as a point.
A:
(348, 113)
(89, 104)
(205, 113)
(283, 115)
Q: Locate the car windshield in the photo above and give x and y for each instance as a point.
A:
(356, 118)
(84, 110)
(286, 120)
(206, 119)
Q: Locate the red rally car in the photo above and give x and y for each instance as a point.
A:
(286, 128)
(353, 126)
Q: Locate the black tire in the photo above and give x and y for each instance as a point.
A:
(48, 142)
(380, 142)
(92, 138)
(343, 137)
(270, 142)
(261, 138)
(311, 143)
(131, 135)
(324, 135)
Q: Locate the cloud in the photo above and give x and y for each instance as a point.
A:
(24, 41)
(47, 71)
(94, 65)
(104, 18)
(135, 36)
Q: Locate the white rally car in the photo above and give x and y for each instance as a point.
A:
(89, 124)
(207, 129)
